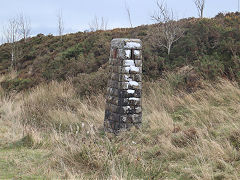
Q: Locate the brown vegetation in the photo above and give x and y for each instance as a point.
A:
(50, 132)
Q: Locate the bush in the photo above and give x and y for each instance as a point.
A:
(73, 52)
(17, 84)
(210, 67)
(90, 84)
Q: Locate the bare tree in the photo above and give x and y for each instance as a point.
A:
(24, 26)
(94, 24)
(97, 24)
(129, 14)
(238, 5)
(200, 4)
(60, 24)
(11, 34)
(167, 30)
(2, 39)
(104, 24)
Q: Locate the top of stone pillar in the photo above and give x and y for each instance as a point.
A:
(123, 43)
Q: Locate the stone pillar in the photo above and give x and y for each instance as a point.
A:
(123, 101)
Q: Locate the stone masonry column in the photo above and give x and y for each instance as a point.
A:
(123, 101)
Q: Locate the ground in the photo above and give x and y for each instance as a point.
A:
(51, 133)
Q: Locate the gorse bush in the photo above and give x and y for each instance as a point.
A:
(73, 52)
(210, 67)
(17, 84)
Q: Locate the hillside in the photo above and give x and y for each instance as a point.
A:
(209, 46)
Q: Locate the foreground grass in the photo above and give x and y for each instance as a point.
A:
(51, 133)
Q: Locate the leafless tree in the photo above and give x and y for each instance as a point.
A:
(94, 24)
(129, 14)
(11, 34)
(238, 5)
(2, 39)
(97, 24)
(104, 24)
(60, 24)
(200, 4)
(24, 26)
(167, 30)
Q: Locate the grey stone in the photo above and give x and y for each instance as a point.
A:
(138, 63)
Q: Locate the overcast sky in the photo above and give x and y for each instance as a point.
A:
(77, 14)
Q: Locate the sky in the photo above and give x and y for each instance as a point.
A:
(77, 14)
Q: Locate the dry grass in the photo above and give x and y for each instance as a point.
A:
(184, 136)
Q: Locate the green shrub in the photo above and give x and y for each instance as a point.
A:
(89, 84)
(17, 84)
(73, 52)
(210, 67)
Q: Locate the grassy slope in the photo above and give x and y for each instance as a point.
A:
(16, 159)
(50, 133)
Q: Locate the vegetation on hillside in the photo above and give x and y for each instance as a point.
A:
(210, 46)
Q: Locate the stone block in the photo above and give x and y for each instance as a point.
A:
(131, 101)
(137, 54)
(128, 63)
(130, 93)
(138, 63)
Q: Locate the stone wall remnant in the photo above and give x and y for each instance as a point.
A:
(123, 101)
